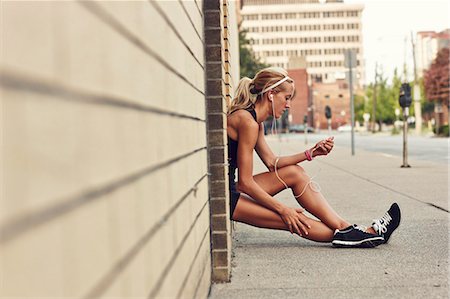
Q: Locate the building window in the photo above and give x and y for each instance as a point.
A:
(309, 15)
(272, 16)
(250, 17)
(353, 26)
(333, 14)
(290, 15)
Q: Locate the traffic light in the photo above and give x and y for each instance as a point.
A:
(405, 95)
(327, 112)
(305, 119)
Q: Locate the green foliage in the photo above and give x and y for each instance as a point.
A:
(443, 131)
(249, 63)
(386, 102)
(387, 94)
(359, 102)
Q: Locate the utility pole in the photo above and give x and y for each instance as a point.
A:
(374, 102)
(417, 105)
(350, 63)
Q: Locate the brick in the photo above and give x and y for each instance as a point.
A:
(214, 70)
(220, 259)
(227, 67)
(218, 189)
(228, 99)
(219, 223)
(214, 87)
(216, 104)
(218, 206)
(213, 53)
(211, 5)
(226, 43)
(224, 8)
(217, 156)
(217, 138)
(221, 274)
(212, 19)
(213, 36)
(225, 33)
(216, 121)
(218, 172)
(219, 240)
(227, 90)
(226, 56)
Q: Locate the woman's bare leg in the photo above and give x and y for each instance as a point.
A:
(296, 178)
(252, 213)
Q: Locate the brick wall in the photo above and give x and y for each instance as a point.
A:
(299, 105)
(104, 150)
(222, 73)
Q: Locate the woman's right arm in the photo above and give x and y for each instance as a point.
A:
(248, 135)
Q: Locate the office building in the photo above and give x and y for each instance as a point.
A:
(319, 31)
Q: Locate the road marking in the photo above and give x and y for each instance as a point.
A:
(387, 155)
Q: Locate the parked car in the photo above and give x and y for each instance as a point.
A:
(300, 129)
(348, 128)
(344, 128)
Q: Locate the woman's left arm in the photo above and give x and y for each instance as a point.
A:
(323, 147)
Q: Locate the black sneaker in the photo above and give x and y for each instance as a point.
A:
(387, 224)
(354, 236)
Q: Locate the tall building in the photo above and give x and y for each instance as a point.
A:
(427, 46)
(319, 31)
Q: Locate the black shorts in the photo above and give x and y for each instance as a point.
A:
(234, 197)
(234, 194)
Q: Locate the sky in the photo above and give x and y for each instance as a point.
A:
(386, 24)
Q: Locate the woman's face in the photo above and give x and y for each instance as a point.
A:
(281, 101)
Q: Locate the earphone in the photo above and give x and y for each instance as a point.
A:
(313, 185)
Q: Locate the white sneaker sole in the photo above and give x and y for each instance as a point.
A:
(366, 243)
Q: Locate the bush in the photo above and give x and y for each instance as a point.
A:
(443, 131)
(395, 131)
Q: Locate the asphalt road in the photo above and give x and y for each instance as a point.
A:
(419, 147)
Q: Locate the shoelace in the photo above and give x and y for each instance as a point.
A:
(380, 225)
(361, 228)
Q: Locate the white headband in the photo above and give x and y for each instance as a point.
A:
(274, 85)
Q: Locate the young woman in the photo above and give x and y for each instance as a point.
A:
(252, 201)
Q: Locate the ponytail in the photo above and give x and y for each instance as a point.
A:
(249, 91)
(244, 98)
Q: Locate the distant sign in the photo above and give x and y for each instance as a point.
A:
(438, 108)
(350, 58)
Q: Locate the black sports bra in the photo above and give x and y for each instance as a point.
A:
(233, 144)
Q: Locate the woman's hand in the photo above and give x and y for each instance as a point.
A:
(323, 147)
(294, 220)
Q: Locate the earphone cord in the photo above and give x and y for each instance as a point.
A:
(313, 185)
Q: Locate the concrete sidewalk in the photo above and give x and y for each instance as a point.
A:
(276, 264)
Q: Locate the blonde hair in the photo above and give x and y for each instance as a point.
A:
(249, 91)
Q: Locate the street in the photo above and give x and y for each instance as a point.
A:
(274, 264)
(419, 147)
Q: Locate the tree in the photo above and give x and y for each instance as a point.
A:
(437, 84)
(436, 78)
(387, 99)
(249, 63)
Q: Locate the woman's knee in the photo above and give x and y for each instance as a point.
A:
(295, 173)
